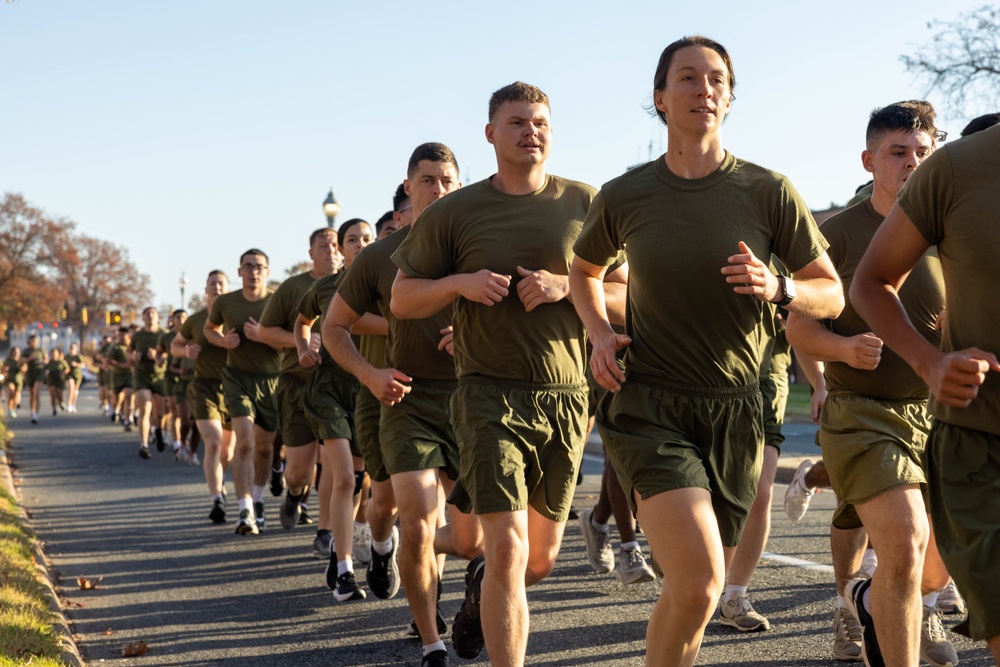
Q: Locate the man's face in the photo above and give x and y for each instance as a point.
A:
(389, 226)
(179, 319)
(217, 284)
(430, 182)
(151, 319)
(254, 271)
(897, 155)
(521, 133)
(324, 253)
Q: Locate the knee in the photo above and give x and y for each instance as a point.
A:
(508, 554)
(696, 593)
(342, 483)
(467, 544)
(417, 533)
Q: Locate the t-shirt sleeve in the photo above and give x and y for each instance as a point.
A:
(187, 330)
(928, 194)
(600, 241)
(356, 287)
(215, 315)
(797, 239)
(309, 305)
(277, 306)
(428, 251)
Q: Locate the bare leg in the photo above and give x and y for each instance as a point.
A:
(847, 548)
(263, 447)
(758, 525)
(144, 403)
(382, 511)
(300, 466)
(243, 457)
(462, 536)
(503, 599)
(212, 434)
(418, 509)
(341, 507)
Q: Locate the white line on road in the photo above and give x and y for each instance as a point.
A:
(788, 560)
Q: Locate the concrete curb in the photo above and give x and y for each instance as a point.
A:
(60, 624)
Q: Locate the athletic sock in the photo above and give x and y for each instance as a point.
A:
(628, 546)
(864, 600)
(841, 602)
(246, 504)
(344, 566)
(930, 600)
(257, 493)
(436, 646)
(219, 498)
(733, 592)
(382, 547)
(599, 527)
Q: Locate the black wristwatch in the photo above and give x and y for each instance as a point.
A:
(788, 290)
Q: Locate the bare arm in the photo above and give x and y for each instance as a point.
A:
(819, 294)
(213, 332)
(417, 298)
(616, 294)
(586, 282)
(814, 373)
(304, 338)
(953, 378)
(277, 337)
(863, 351)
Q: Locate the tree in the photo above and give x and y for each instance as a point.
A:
(30, 245)
(962, 60)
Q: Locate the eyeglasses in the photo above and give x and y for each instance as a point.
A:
(253, 268)
(405, 208)
(940, 135)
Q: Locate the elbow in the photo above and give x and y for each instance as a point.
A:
(399, 308)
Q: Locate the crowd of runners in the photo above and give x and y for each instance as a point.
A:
(426, 385)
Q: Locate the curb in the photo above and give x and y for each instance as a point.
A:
(60, 624)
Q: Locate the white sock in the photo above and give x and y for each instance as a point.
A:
(361, 523)
(344, 566)
(733, 592)
(258, 493)
(864, 599)
(599, 527)
(246, 504)
(930, 600)
(628, 546)
(382, 547)
(841, 602)
(436, 646)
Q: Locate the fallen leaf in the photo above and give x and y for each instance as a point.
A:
(108, 632)
(88, 584)
(135, 649)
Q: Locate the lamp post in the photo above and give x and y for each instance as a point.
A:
(331, 207)
(183, 283)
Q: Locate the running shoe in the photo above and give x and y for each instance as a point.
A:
(290, 511)
(846, 636)
(347, 588)
(934, 645)
(435, 659)
(413, 631)
(321, 545)
(246, 525)
(158, 438)
(739, 613)
(144, 453)
(950, 601)
(362, 545)
(467, 632)
(278, 480)
(258, 510)
(218, 513)
(632, 567)
(13, 414)
(599, 551)
(797, 494)
(854, 591)
(304, 518)
(382, 574)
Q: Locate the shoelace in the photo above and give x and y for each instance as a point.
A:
(935, 631)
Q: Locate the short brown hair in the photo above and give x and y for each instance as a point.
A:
(517, 92)
(660, 76)
(909, 115)
(431, 151)
(319, 232)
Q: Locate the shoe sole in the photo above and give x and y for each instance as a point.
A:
(393, 568)
(638, 579)
(582, 521)
(217, 515)
(246, 529)
(795, 478)
(760, 627)
(357, 594)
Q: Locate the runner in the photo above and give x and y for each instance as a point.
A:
(13, 380)
(951, 203)
(684, 432)
(35, 360)
(121, 380)
(205, 394)
(55, 377)
(75, 376)
(104, 393)
(175, 389)
(416, 448)
(249, 380)
(328, 400)
(148, 382)
(276, 327)
(521, 403)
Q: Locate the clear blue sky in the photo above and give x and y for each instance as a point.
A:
(190, 131)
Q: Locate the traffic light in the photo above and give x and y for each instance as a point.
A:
(83, 315)
(114, 317)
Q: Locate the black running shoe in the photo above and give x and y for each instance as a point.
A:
(330, 573)
(870, 651)
(258, 510)
(467, 632)
(304, 518)
(347, 588)
(218, 513)
(158, 434)
(435, 659)
(290, 511)
(414, 632)
(278, 480)
(382, 574)
(246, 525)
(144, 453)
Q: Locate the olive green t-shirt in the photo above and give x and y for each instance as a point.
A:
(687, 325)
(104, 351)
(953, 200)
(163, 347)
(412, 345)
(211, 358)
(233, 311)
(142, 342)
(849, 233)
(314, 305)
(35, 359)
(479, 227)
(57, 370)
(12, 369)
(372, 348)
(75, 371)
(282, 311)
(118, 353)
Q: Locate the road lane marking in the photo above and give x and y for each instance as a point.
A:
(798, 562)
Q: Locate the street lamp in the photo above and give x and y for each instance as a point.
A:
(183, 283)
(331, 207)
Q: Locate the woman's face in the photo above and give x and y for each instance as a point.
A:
(356, 238)
(696, 96)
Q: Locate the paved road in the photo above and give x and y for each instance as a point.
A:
(199, 595)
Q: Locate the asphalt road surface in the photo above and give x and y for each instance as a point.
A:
(197, 594)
